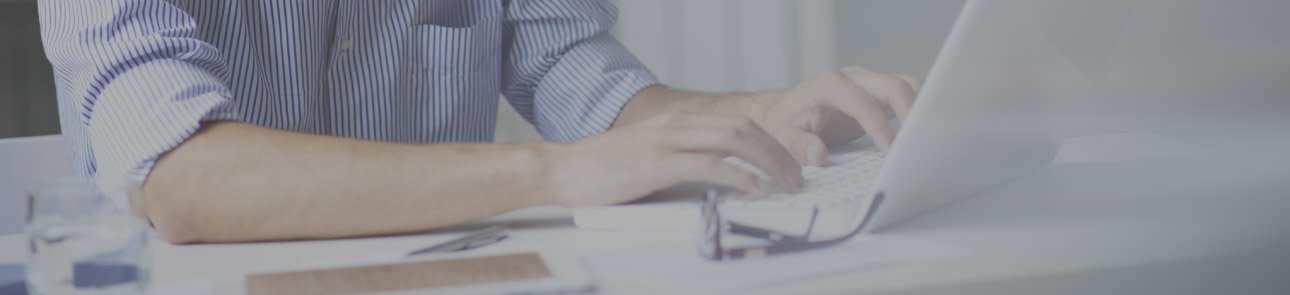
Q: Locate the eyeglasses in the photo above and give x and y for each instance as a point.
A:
(712, 237)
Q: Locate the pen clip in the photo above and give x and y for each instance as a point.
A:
(471, 240)
(481, 242)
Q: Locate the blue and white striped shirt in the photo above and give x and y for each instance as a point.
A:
(138, 76)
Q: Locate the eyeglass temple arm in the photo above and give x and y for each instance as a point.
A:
(766, 234)
(758, 252)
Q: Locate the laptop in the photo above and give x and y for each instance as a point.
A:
(978, 122)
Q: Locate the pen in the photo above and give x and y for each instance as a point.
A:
(472, 240)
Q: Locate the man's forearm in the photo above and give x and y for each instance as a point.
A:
(655, 100)
(240, 182)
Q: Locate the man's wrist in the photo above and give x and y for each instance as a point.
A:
(756, 105)
(752, 105)
(540, 160)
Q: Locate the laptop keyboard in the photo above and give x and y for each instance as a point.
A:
(850, 175)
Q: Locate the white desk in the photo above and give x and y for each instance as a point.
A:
(1118, 227)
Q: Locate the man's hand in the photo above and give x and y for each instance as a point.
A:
(806, 117)
(632, 161)
(664, 136)
(832, 107)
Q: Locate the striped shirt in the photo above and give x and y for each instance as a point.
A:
(137, 77)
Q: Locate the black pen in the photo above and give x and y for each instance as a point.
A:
(472, 240)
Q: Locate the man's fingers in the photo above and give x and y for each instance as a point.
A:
(808, 148)
(710, 168)
(900, 98)
(751, 131)
(860, 105)
(914, 82)
(774, 160)
(739, 137)
(895, 92)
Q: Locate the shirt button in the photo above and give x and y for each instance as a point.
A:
(345, 43)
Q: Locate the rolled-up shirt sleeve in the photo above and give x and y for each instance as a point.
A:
(139, 77)
(563, 72)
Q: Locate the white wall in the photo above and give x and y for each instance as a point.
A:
(714, 45)
(893, 36)
(753, 45)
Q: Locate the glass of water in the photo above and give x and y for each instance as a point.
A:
(82, 243)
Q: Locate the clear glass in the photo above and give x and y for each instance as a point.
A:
(81, 243)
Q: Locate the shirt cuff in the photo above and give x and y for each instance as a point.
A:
(597, 108)
(603, 114)
(146, 112)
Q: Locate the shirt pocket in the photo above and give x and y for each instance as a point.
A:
(455, 80)
(458, 38)
(458, 51)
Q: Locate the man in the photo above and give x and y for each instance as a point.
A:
(263, 120)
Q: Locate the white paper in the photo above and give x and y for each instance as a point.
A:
(680, 265)
(192, 286)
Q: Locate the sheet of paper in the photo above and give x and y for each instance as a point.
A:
(191, 286)
(684, 271)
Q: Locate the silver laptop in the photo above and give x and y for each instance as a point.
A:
(979, 121)
(975, 124)
(1013, 79)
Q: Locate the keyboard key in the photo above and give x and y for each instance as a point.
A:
(849, 176)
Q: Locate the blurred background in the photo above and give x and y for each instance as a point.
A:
(27, 103)
(703, 45)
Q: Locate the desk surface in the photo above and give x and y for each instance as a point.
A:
(1113, 227)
